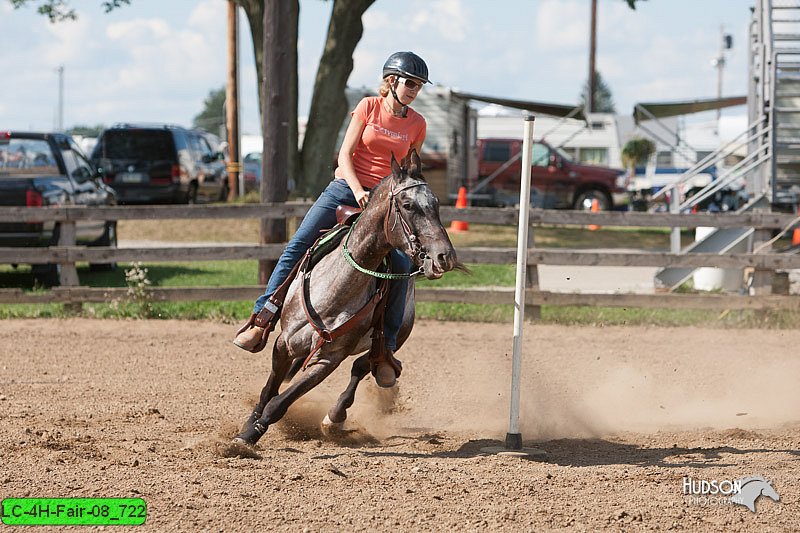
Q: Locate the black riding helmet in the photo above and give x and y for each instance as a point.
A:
(406, 64)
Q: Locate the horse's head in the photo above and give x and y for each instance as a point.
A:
(412, 221)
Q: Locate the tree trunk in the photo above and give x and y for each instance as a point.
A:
(280, 52)
(329, 103)
(254, 10)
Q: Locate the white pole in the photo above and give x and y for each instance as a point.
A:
(514, 437)
(675, 207)
(60, 126)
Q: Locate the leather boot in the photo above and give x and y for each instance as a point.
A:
(250, 339)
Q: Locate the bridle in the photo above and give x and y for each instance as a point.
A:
(413, 247)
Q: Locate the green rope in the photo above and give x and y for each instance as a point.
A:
(379, 275)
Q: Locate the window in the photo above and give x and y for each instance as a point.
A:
(702, 154)
(593, 156)
(24, 156)
(497, 152)
(77, 165)
(541, 155)
(569, 153)
(664, 159)
(145, 145)
(205, 148)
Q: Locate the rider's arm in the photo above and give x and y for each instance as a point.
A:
(347, 171)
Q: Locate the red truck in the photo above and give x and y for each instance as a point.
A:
(556, 181)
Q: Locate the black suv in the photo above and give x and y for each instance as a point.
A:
(160, 164)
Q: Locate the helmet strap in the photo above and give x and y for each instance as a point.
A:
(404, 110)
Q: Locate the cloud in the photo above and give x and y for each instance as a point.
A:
(374, 19)
(562, 25)
(448, 18)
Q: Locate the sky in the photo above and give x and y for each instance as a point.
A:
(157, 61)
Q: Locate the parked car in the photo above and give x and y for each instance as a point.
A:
(160, 164)
(556, 181)
(49, 169)
(252, 171)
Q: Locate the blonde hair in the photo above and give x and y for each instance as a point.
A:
(385, 87)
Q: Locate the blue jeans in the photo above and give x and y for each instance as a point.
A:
(322, 215)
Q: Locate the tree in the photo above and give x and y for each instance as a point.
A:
(86, 131)
(329, 102)
(603, 100)
(311, 167)
(58, 10)
(212, 117)
(632, 3)
(636, 152)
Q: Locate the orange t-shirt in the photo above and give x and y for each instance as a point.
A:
(384, 135)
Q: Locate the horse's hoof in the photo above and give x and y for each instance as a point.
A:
(250, 435)
(331, 428)
(239, 448)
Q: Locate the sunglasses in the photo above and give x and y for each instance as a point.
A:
(410, 84)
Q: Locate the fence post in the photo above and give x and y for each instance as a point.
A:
(762, 278)
(532, 312)
(68, 274)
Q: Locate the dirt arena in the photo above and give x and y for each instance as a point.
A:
(93, 408)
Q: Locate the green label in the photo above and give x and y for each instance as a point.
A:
(73, 511)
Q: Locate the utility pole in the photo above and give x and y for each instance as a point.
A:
(592, 53)
(725, 43)
(279, 57)
(60, 123)
(232, 102)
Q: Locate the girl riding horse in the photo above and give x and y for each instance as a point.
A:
(329, 309)
(381, 128)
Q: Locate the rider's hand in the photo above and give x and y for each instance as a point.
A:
(362, 197)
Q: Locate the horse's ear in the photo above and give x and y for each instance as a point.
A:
(396, 171)
(414, 165)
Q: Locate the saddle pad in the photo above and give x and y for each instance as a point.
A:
(329, 241)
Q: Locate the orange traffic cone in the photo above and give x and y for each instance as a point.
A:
(461, 203)
(796, 233)
(595, 208)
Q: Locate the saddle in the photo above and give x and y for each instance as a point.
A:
(268, 317)
(330, 240)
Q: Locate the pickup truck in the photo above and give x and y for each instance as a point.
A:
(49, 169)
(556, 181)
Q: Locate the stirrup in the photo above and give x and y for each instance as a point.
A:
(267, 318)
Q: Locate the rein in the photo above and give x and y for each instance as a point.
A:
(413, 242)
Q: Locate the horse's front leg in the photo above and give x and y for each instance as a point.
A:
(338, 413)
(280, 367)
(278, 405)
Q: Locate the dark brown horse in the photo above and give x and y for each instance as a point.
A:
(402, 213)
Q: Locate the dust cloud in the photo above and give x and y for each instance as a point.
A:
(577, 382)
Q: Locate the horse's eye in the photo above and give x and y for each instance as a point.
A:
(407, 206)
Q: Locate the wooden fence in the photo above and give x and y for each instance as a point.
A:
(67, 254)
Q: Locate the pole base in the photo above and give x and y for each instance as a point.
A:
(514, 448)
(514, 441)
